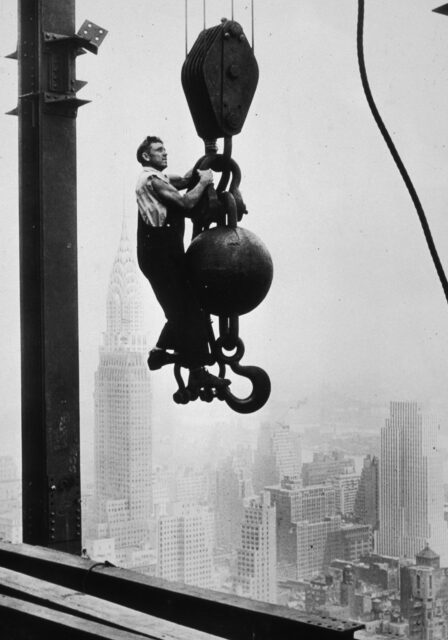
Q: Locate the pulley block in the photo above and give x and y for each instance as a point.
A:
(219, 78)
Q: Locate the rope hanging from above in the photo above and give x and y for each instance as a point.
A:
(232, 12)
(395, 155)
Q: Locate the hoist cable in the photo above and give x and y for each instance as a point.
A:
(399, 163)
(204, 14)
(232, 9)
(186, 28)
(252, 25)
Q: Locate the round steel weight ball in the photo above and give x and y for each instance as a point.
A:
(230, 269)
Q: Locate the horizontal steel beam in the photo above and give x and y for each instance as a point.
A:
(60, 599)
(213, 612)
(24, 620)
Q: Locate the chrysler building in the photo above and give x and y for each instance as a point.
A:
(123, 448)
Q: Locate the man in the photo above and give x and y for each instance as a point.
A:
(161, 257)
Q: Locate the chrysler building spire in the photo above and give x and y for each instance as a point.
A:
(125, 321)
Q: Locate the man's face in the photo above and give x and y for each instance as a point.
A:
(156, 156)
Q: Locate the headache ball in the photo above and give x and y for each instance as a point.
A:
(230, 270)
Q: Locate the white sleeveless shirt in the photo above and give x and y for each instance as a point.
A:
(152, 211)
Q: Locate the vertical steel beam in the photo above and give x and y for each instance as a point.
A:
(48, 280)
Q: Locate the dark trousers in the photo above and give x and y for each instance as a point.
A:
(161, 257)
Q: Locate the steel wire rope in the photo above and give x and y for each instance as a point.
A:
(186, 28)
(395, 155)
(252, 25)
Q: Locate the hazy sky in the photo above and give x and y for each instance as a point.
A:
(355, 303)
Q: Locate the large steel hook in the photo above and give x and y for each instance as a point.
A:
(261, 384)
(261, 389)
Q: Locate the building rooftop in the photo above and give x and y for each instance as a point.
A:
(428, 554)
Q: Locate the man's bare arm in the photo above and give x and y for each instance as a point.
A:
(178, 182)
(181, 182)
(168, 194)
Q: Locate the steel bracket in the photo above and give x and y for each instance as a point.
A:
(89, 37)
(66, 98)
(60, 84)
(73, 42)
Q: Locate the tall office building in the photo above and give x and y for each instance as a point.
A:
(411, 485)
(123, 408)
(257, 558)
(185, 545)
(295, 503)
(325, 467)
(233, 486)
(319, 543)
(352, 542)
(163, 490)
(192, 486)
(314, 550)
(367, 498)
(278, 455)
(346, 488)
(288, 499)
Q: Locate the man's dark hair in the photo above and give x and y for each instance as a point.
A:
(144, 146)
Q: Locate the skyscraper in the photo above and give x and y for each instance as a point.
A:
(185, 545)
(346, 488)
(278, 455)
(325, 467)
(257, 557)
(314, 550)
(411, 485)
(294, 504)
(123, 407)
(233, 485)
(367, 498)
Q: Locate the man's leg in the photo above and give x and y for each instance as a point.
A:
(168, 338)
(162, 260)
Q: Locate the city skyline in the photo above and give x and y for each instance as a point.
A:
(306, 513)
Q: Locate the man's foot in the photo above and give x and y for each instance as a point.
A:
(158, 358)
(202, 379)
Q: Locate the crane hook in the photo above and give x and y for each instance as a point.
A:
(261, 389)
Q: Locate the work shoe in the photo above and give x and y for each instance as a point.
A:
(201, 378)
(158, 358)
